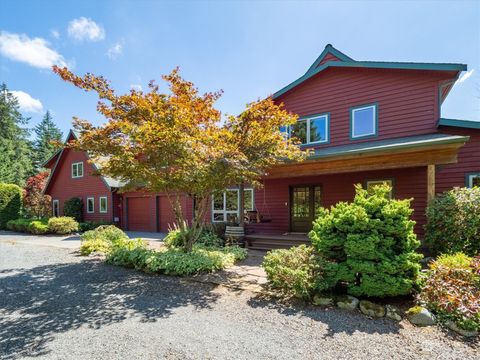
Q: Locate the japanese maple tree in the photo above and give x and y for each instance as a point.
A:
(177, 143)
(34, 201)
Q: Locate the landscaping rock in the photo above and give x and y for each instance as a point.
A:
(420, 316)
(371, 309)
(393, 313)
(467, 333)
(322, 300)
(348, 303)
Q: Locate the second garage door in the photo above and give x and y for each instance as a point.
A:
(139, 214)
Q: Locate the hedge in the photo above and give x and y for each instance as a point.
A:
(10, 203)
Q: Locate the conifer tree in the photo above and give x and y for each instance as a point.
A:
(46, 132)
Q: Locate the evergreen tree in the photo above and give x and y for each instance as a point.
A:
(46, 132)
(15, 148)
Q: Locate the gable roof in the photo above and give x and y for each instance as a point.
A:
(109, 182)
(347, 62)
(467, 124)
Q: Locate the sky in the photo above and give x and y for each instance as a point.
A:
(248, 49)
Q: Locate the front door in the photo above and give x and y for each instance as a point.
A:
(304, 203)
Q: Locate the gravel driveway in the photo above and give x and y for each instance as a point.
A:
(55, 304)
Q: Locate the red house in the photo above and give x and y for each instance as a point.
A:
(368, 122)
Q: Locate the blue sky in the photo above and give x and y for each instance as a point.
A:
(249, 49)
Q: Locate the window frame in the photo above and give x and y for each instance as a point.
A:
(100, 204)
(76, 164)
(225, 212)
(375, 121)
(308, 120)
(93, 205)
(383, 180)
(469, 178)
(57, 202)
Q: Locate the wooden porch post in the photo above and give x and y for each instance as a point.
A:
(241, 205)
(430, 182)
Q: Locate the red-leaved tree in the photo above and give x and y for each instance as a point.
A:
(36, 204)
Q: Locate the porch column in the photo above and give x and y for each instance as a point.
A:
(241, 205)
(430, 182)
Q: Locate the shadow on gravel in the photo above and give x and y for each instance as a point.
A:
(337, 321)
(37, 303)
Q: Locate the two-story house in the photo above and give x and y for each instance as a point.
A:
(367, 122)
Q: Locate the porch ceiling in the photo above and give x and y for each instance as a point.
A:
(375, 155)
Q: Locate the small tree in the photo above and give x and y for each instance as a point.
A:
(369, 244)
(10, 203)
(175, 143)
(35, 202)
(73, 208)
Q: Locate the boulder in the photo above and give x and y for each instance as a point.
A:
(347, 302)
(420, 316)
(322, 300)
(393, 313)
(371, 309)
(467, 333)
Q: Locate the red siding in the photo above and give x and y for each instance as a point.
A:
(407, 100)
(64, 187)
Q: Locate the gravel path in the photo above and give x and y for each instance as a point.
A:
(56, 305)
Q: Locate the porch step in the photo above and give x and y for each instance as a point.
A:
(269, 242)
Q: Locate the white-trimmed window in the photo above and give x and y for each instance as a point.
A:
(102, 204)
(313, 129)
(77, 170)
(372, 183)
(363, 121)
(472, 179)
(90, 205)
(56, 208)
(225, 205)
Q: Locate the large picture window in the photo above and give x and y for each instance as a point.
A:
(225, 205)
(363, 121)
(472, 179)
(77, 170)
(312, 130)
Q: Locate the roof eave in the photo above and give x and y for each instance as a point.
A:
(466, 124)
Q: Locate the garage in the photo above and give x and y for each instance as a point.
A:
(140, 214)
(166, 217)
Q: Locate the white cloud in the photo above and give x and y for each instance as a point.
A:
(85, 29)
(465, 76)
(34, 52)
(136, 87)
(115, 50)
(55, 33)
(26, 102)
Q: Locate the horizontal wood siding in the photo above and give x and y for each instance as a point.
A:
(407, 100)
(63, 187)
(327, 58)
(449, 176)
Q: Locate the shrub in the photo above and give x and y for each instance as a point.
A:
(62, 225)
(91, 225)
(207, 238)
(296, 271)
(173, 239)
(452, 290)
(10, 203)
(74, 208)
(35, 203)
(38, 227)
(20, 225)
(102, 239)
(369, 244)
(34, 226)
(453, 222)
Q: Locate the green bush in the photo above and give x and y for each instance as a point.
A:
(62, 225)
(208, 238)
(173, 239)
(102, 239)
(369, 244)
(452, 290)
(38, 227)
(34, 226)
(74, 208)
(296, 271)
(91, 225)
(453, 222)
(10, 203)
(20, 225)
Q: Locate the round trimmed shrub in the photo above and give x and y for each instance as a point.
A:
(453, 222)
(10, 203)
(74, 208)
(62, 225)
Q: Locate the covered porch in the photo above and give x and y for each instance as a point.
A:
(286, 204)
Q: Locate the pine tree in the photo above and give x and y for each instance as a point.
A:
(46, 132)
(15, 148)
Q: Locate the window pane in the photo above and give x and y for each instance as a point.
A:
(318, 129)
(248, 199)
(231, 200)
(232, 217)
(318, 199)
(301, 206)
(218, 217)
(475, 180)
(90, 205)
(218, 202)
(364, 122)
(299, 130)
(80, 169)
(103, 204)
(74, 170)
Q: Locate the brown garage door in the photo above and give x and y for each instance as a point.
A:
(166, 218)
(139, 214)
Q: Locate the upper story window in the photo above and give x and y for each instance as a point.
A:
(363, 121)
(77, 170)
(312, 130)
(472, 179)
(225, 205)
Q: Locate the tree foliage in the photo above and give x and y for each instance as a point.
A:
(73, 208)
(176, 142)
(35, 203)
(10, 203)
(48, 136)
